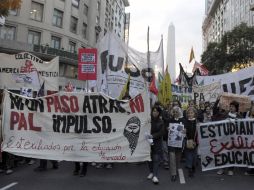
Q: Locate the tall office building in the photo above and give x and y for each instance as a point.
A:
(223, 15)
(59, 27)
(171, 54)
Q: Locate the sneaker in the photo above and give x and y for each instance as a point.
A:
(40, 169)
(75, 172)
(150, 176)
(230, 172)
(21, 162)
(155, 180)
(173, 178)
(249, 172)
(82, 174)
(9, 171)
(99, 166)
(220, 172)
(109, 166)
(166, 166)
(31, 162)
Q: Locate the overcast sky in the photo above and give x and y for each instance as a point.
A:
(186, 15)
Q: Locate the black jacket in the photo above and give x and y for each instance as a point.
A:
(157, 131)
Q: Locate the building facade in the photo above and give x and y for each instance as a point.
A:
(223, 15)
(59, 28)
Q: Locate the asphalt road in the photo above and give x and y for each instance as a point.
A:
(121, 177)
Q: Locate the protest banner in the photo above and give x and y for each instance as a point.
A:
(116, 61)
(227, 98)
(175, 135)
(239, 82)
(207, 93)
(26, 70)
(182, 93)
(75, 126)
(226, 143)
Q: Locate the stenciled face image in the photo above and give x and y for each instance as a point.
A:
(131, 132)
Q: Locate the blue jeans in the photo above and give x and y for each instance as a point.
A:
(154, 164)
(191, 157)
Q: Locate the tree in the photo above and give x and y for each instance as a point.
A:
(233, 52)
(214, 58)
(6, 5)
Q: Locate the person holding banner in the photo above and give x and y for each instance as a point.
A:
(175, 153)
(250, 114)
(232, 115)
(191, 142)
(166, 116)
(83, 170)
(157, 130)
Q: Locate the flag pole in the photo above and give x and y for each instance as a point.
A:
(148, 63)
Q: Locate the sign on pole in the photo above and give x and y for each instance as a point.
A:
(87, 64)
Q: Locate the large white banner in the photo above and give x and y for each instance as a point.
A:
(240, 82)
(208, 92)
(77, 127)
(116, 61)
(26, 70)
(227, 143)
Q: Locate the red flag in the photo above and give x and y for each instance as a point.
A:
(202, 69)
(69, 87)
(153, 87)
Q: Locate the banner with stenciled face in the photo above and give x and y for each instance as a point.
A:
(85, 127)
(226, 143)
(26, 70)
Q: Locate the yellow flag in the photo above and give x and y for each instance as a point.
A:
(125, 89)
(167, 94)
(192, 56)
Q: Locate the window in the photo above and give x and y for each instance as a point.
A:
(72, 47)
(34, 37)
(55, 42)
(13, 12)
(97, 20)
(71, 71)
(75, 3)
(96, 36)
(85, 10)
(58, 18)
(36, 12)
(74, 24)
(7, 32)
(84, 30)
(98, 6)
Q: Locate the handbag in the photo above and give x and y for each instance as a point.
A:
(190, 144)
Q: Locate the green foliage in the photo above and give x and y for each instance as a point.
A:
(235, 50)
(6, 5)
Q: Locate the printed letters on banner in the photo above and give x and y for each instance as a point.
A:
(227, 143)
(77, 127)
(26, 70)
(116, 61)
(208, 93)
(240, 82)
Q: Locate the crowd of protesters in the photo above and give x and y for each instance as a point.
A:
(161, 153)
(171, 157)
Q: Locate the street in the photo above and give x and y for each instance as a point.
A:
(122, 177)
